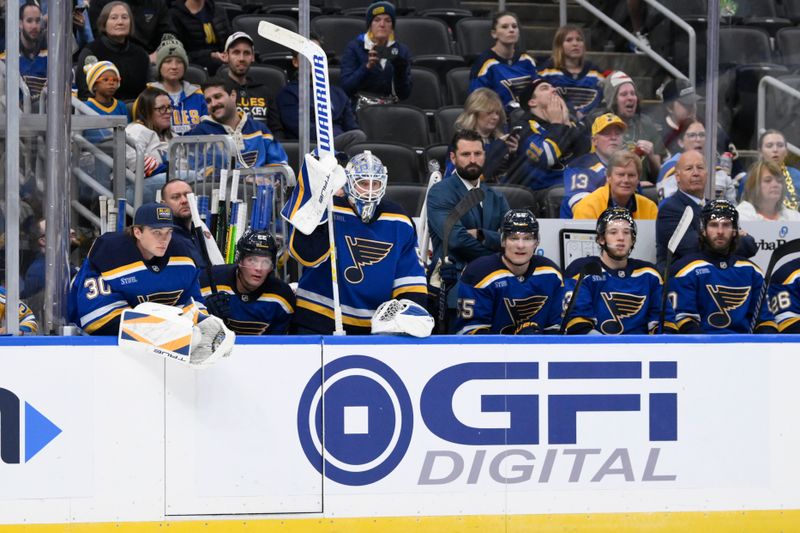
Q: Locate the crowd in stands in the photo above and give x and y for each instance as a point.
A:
(572, 133)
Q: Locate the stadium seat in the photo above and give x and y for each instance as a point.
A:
(473, 37)
(290, 10)
(782, 109)
(430, 43)
(445, 118)
(762, 14)
(267, 51)
(355, 8)
(401, 161)
(336, 31)
(196, 74)
(439, 152)
(271, 76)
(518, 197)
(450, 11)
(457, 81)
(231, 10)
(426, 91)
(410, 196)
(292, 147)
(396, 123)
(788, 44)
(791, 10)
(741, 46)
(334, 75)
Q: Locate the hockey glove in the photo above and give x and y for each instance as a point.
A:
(211, 341)
(219, 304)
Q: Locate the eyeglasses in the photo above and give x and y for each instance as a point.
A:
(696, 135)
(164, 109)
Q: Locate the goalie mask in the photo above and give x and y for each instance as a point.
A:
(366, 183)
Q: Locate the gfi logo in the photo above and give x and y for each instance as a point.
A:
(368, 412)
(39, 431)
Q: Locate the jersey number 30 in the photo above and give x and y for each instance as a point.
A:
(95, 287)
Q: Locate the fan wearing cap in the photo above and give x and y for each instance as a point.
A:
(512, 292)
(102, 78)
(625, 296)
(188, 103)
(247, 295)
(124, 269)
(550, 139)
(374, 62)
(254, 97)
(587, 173)
(202, 27)
(714, 290)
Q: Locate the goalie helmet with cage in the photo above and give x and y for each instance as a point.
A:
(615, 213)
(366, 183)
(519, 221)
(260, 243)
(719, 209)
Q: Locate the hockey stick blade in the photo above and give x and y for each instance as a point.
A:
(787, 248)
(680, 229)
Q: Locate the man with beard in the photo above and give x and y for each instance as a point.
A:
(32, 49)
(512, 292)
(175, 195)
(625, 297)
(254, 142)
(475, 235)
(247, 296)
(254, 97)
(714, 290)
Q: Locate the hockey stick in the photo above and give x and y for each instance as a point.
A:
(425, 233)
(672, 245)
(322, 103)
(470, 200)
(201, 239)
(589, 269)
(787, 248)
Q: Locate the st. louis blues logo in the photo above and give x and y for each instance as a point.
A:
(620, 305)
(247, 327)
(166, 298)
(521, 310)
(726, 299)
(365, 252)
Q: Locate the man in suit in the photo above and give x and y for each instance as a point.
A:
(691, 174)
(477, 233)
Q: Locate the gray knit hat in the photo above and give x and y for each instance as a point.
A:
(170, 47)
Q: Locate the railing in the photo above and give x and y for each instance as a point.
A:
(761, 112)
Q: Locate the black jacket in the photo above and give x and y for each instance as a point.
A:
(150, 21)
(130, 59)
(189, 30)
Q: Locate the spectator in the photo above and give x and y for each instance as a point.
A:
(587, 173)
(551, 139)
(691, 175)
(150, 132)
(32, 290)
(81, 27)
(175, 195)
(374, 65)
(254, 97)
(764, 193)
(484, 114)
(502, 68)
(102, 78)
(188, 104)
(32, 49)
(772, 145)
(624, 169)
(255, 145)
(621, 98)
(115, 25)
(345, 128)
(26, 318)
(567, 69)
(149, 22)
(202, 28)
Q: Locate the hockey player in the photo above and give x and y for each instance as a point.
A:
(376, 251)
(27, 320)
(246, 295)
(126, 269)
(784, 297)
(714, 290)
(514, 291)
(625, 298)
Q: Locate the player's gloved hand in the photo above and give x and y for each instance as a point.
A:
(528, 328)
(449, 273)
(211, 341)
(219, 305)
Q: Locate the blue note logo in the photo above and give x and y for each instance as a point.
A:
(39, 430)
(368, 420)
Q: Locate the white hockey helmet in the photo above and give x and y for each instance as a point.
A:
(366, 183)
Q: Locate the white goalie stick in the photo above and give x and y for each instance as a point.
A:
(425, 234)
(672, 245)
(322, 104)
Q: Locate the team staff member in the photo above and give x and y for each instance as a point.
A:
(248, 297)
(376, 255)
(124, 269)
(714, 290)
(625, 297)
(175, 195)
(515, 291)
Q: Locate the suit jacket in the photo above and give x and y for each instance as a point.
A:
(462, 247)
(669, 214)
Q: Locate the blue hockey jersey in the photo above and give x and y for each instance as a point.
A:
(493, 300)
(506, 77)
(784, 297)
(714, 294)
(116, 108)
(188, 107)
(115, 277)
(266, 311)
(583, 92)
(582, 176)
(27, 320)
(255, 144)
(376, 262)
(617, 301)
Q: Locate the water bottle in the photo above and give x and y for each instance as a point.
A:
(726, 162)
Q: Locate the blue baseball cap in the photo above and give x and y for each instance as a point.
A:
(153, 215)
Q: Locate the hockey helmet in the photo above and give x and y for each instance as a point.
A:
(718, 209)
(519, 221)
(615, 213)
(256, 243)
(366, 183)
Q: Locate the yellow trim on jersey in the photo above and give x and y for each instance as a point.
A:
(420, 289)
(548, 71)
(271, 296)
(766, 324)
(181, 260)
(646, 270)
(684, 321)
(489, 63)
(791, 278)
(597, 167)
(555, 147)
(94, 326)
(538, 271)
(205, 291)
(492, 277)
(322, 310)
(399, 217)
(691, 266)
(252, 135)
(124, 269)
(741, 263)
(788, 322)
(106, 108)
(578, 320)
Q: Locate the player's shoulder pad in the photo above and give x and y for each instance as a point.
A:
(688, 263)
(788, 273)
(574, 268)
(392, 212)
(222, 274)
(276, 286)
(180, 248)
(482, 271)
(114, 249)
(543, 265)
(741, 262)
(640, 267)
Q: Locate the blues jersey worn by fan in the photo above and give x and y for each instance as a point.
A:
(376, 252)
(583, 175)
(784, 297)
(27, 320)
(506, 77)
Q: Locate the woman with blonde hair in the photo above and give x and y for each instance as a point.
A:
(764, 194)
(484, 114)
